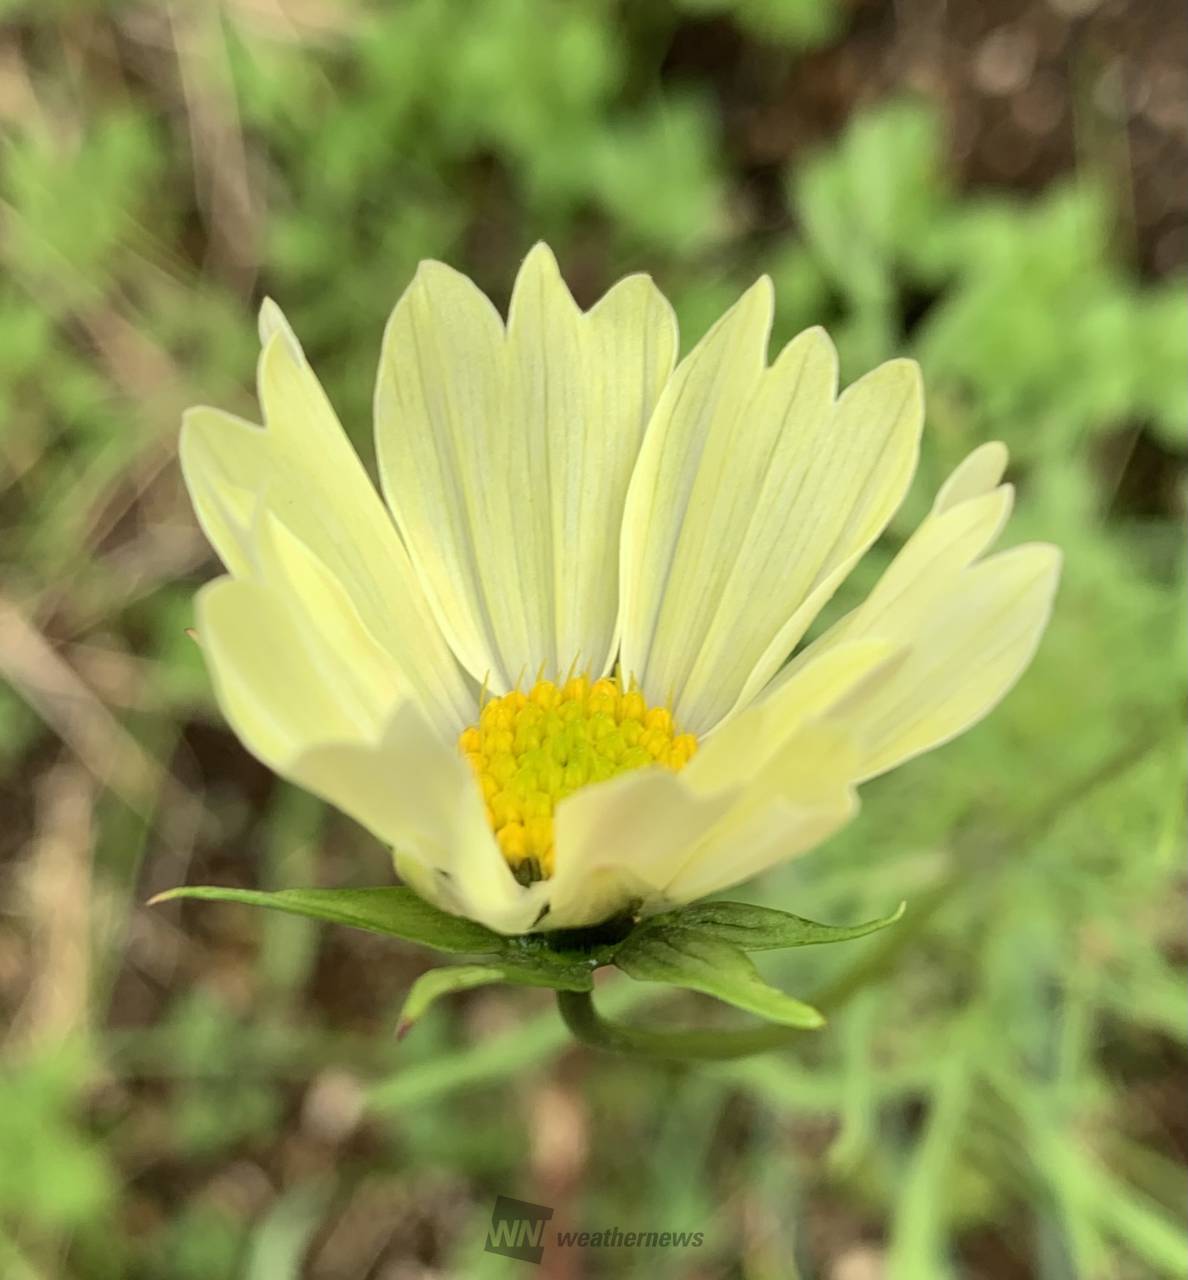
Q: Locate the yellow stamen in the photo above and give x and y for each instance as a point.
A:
(530, 750)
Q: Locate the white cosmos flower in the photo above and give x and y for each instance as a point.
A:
(549, 668)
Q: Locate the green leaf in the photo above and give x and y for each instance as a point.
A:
(685, 958)
(431, 986)
(763, 928)
(392, 909)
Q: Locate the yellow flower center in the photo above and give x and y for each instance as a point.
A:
(530, 750)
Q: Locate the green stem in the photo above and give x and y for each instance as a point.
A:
(588, 1026)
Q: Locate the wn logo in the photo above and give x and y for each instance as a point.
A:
(517, 1229)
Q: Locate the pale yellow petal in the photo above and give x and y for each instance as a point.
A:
(670, 504)
(505, 458)
(362, 673)
(271, 320)
(303, 470)
(838, 714)
(619, 842)
(924, 572)
(962, 629)
(853, 486)
(762, 838)
(267, 681)
(968, 654)
(981, 472)
(797, 800)
(966, 518)
(773, 783)
(740, 748)
(545, 408)
(398, 778)
(942, 548)
(647, 841)
(416, 794)
(439, 437)
(224, 462)
(755, 494)
(629, 347)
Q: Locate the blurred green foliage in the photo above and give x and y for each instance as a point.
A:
(997, 1080)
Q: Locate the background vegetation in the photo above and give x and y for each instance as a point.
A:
(995, 188)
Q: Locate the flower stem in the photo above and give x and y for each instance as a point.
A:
(588, 1026)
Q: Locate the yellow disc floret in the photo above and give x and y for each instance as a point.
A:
(530, 750)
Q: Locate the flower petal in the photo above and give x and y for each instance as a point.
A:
(790, 768)
(630, 349)
(768, 785)
(924, 571)
(969, 652)
(505, 457)
(303, 470)
(620, 841)
(755, 494)
(647, 840)
(415, 793)
(979, 473)
(363, 675)
(266, 677)
(397, 776)
(798, 799)
(738, 750)
(673, 494)
(964, 629)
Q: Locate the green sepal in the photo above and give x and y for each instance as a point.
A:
(762, 928)
(701, 947)
(696, 960)
(560, 976)
(563, 971)
(434, 984)
(398, 912)
(393, 910)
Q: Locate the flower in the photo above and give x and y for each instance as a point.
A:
(551, 672)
